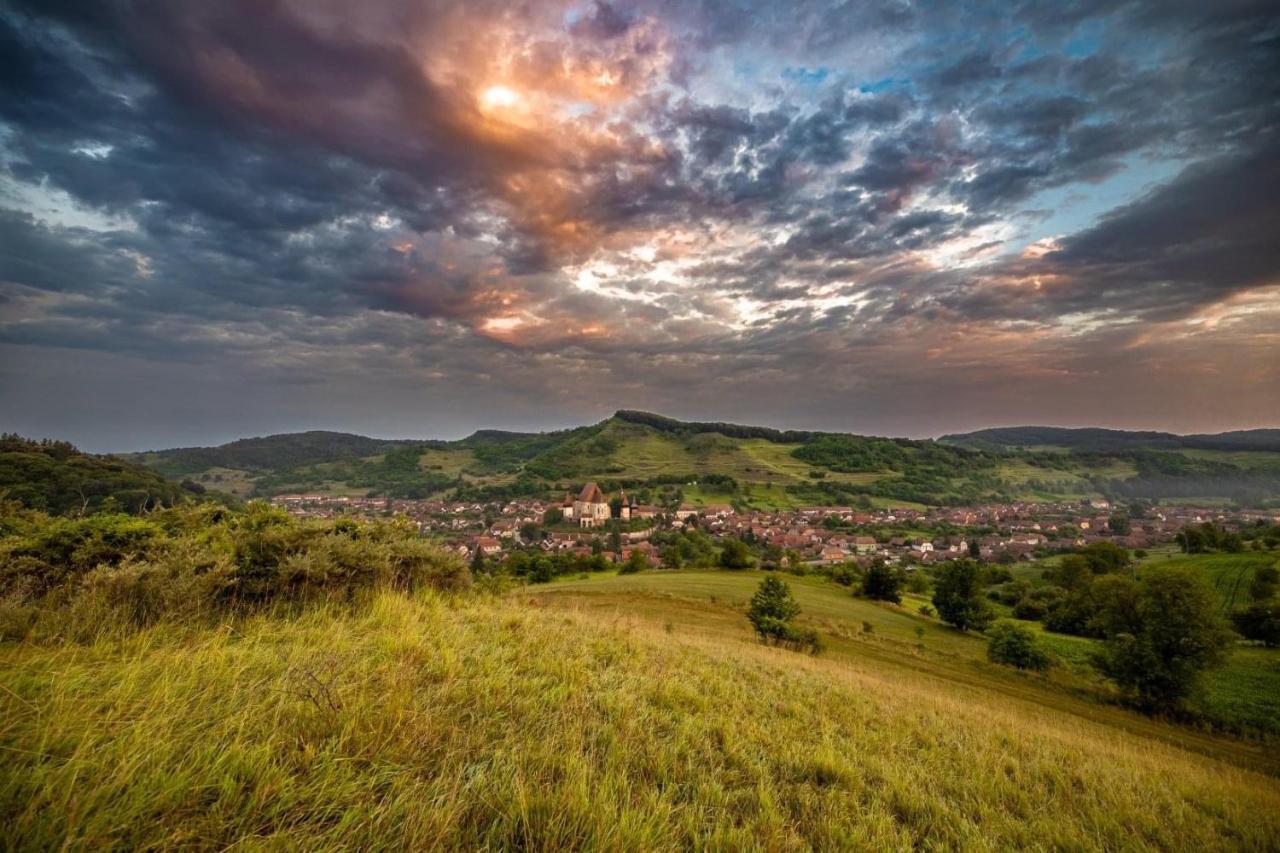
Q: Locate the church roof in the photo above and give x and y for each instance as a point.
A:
(591, 494)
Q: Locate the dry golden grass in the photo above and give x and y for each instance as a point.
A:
(439, 722)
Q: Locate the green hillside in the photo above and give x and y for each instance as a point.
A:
(719, 462)
(432, 722)
(206, 678)
(56, 477)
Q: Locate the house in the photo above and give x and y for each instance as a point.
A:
(488, 546)
(831, 554)
(864, 544)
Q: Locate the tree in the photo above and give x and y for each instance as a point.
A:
(770, 613)
(1260, 621)
(1071, 573)
(1105, 557)
(553, 516)
(1165, 638)
(1264, 584)
(1119, 525)
(958, 598)
(541, 571)
(882, 583)
(735, 554)
(531, 531)
(772, 607)
(1015, 645)
(635, 562)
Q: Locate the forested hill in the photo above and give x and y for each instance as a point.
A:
(272, 452)
(56, 477)
(750, 465)
(1102, 440)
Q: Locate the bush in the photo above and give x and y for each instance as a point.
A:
(635, 562)
(1037, 603)
(1260, 621)
(1011, 592)
(1015, 645)
(79, 578)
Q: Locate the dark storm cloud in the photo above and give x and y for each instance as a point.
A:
(659, 193)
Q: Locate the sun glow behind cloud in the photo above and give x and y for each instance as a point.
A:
(773, 191)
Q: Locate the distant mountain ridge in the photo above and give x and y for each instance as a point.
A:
(760, 466)
(269, 452)
(1102, 440)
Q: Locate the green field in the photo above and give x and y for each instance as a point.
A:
(1243, 694)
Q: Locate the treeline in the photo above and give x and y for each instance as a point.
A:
(79, 577)
(56, 477)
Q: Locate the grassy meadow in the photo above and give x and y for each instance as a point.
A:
(434, 721)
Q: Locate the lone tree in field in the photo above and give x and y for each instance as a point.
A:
(957, 595)
(771, 611)
(882, 583)
(1163, 640)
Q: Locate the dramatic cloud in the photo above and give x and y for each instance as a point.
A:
(417, 218)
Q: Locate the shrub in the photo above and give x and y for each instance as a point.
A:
(1260, 621)
(635, 562)
(1037, 603)
(81, 578)
(1015, 645)
(1010, 592)
(1266, 580)
(917, 582)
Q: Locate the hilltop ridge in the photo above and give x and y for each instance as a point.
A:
(763, 465)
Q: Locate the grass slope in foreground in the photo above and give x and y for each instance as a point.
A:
(433, 722)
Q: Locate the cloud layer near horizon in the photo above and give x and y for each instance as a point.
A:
(416, 218)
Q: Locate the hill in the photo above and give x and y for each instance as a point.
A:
(213, 678)
(436, 722)
(1102, 440)
(56, 477)
(748, 465)
(269, 453)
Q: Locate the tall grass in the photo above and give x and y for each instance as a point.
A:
(429, 721)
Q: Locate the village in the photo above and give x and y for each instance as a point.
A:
(592, 523)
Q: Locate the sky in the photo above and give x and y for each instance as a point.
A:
(415, 218)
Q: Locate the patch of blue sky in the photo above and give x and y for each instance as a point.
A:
(812, 76)
(1078, 206)
(884, 84)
